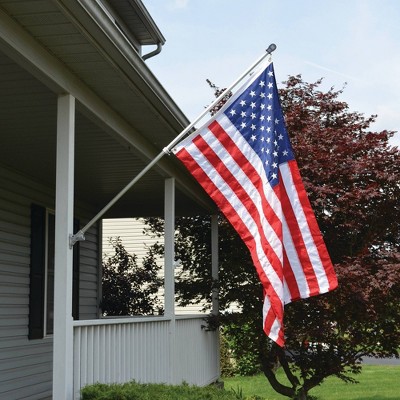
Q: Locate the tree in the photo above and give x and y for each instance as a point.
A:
(351, 175)
(130, 289)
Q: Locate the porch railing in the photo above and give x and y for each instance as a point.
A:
(145, 349)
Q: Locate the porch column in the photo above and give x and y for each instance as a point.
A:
(169, 273)
(63, 329)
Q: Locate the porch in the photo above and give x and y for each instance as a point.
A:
(145, 349)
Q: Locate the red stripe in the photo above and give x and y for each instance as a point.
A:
(297, 238)
(246, 200)
(290, 278)
(313, 226)
(236, 221)
(251, 173)
(269, 320)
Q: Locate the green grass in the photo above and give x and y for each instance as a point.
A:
(376, 383)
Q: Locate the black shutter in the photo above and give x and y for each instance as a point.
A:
(75, 282)
(37, 270)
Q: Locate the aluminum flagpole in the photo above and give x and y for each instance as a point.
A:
(80, 235)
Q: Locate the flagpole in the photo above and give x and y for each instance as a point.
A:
(80, 235)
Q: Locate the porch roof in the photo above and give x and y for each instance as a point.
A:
(124, 115)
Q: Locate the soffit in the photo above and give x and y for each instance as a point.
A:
(104, 164)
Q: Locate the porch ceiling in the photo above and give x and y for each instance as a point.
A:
(106, 159)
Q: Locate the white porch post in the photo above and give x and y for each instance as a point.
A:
(63, 329)
(169, 273)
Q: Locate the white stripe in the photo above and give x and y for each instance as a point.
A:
(276, 326)
(304, 228)
(248, 187)
(244, 215)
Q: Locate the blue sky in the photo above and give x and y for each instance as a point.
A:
(344, 41)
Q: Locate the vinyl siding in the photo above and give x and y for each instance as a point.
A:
(26, 365)
(130, 230)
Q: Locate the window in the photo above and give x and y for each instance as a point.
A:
(41, 295)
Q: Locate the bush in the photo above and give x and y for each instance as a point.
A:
(136, 391)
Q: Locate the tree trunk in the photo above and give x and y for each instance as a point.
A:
(301, 395)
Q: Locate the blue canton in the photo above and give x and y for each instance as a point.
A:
(257, 114)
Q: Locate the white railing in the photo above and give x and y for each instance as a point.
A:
(146, 349)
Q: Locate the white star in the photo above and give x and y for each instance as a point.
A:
(269, 118)
(262, 83)
(253, 137)
(280, 137)
(268, 129)
(269, 108)
(262, 106)
(275, 143)
(266, 162)
(275, 154)
(276, 121)
(270, 85)
(269, 96)
(232, 112)
(252, 115)
(262, 94)
(262, 118)
(268, 139)
(253, 127)
(252, 93)
(252, 105)
(262, 139)
(274, 165)
(268, 151)
(285, 152)
(274, 176)
(242, 103)
(262, 128)
(270, 73)
(243, 124)
(243, 114)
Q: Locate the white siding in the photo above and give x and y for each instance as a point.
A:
(130, 230)
(26, 365)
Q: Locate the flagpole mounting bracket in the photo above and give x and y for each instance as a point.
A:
(78, 237)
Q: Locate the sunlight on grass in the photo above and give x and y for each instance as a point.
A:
(376, 383)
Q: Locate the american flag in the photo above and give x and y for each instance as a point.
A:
(243, 159)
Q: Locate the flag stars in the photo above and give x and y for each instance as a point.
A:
(253, 138)
(252, 93)
(243, 114)
(232, 112)
(242, 103)
(252, 105)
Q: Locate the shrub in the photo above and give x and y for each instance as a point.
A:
(136, 391)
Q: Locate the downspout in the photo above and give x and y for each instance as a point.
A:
(153, 53)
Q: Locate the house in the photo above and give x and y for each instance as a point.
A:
(135, 241)
(80, 116)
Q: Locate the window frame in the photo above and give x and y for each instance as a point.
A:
(38, 306)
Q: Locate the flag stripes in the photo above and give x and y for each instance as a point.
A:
(244, 161)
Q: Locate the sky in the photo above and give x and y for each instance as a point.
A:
(352, 42)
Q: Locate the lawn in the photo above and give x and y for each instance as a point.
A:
(376, 383)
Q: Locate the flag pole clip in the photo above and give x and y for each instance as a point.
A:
(78, 237)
